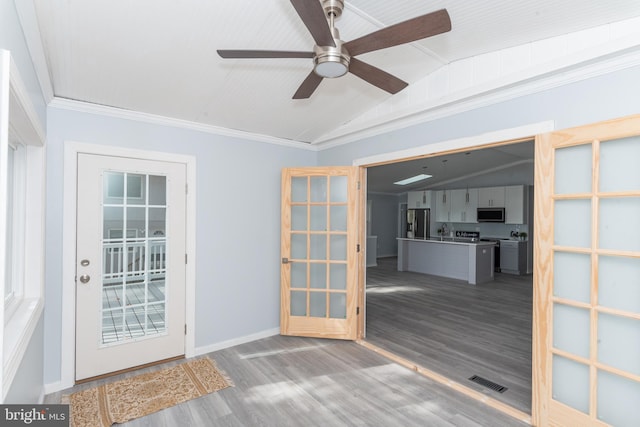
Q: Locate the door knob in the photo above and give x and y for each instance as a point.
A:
(85, 278)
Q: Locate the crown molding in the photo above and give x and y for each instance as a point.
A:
(119, 113)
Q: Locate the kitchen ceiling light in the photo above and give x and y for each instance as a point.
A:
(413, 179)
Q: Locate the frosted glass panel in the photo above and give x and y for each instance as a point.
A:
(318, 276)
(318, 246)
(298, 303)
(619, 283)
(338, 247)
(619, 342)
(299, 218)
(572, 225)
(338, 218)
(318, 304)
(319, 218)
(619, 169)
(570, 383)
(298, 275)
(618, 400)
(298, 246)
(572, 276)
(338, 306)
(299, 189)
(338, 276)
(619, 224)
(573, 170)
(339, 188)
(571, 329)
(318, 189)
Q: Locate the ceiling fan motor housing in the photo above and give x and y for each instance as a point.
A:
(329, 61)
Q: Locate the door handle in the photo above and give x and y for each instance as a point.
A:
(85, 278)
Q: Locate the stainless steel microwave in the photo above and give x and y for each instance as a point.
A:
(490, 214)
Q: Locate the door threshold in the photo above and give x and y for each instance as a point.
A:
(441, 379)
(131, 369)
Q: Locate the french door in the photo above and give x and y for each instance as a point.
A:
(320, 252)
(130, 263)
(586, 366)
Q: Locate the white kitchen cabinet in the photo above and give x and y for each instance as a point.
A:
(491, 197)
(464, 205)
(443, 205)
(516, 197)
(419, 199)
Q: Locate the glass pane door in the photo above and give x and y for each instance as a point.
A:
(592, 191)
(319, 252)
(134, 256)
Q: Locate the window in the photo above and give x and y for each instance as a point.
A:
(15, 232)
(22, 186)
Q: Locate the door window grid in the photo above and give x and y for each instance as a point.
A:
(319, 243)
(589, 366)
(133, 296)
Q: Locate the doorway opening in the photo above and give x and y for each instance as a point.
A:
(445, 327)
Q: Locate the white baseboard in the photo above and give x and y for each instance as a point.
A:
(236, 341)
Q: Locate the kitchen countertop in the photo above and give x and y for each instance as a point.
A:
(451, 240)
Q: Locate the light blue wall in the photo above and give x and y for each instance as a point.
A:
(28, 384)
(238, 222)
(599, 98)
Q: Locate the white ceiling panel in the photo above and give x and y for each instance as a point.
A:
(159, 56)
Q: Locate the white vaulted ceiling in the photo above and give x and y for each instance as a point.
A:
(159, 56)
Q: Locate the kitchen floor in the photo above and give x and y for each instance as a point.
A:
(456, 329)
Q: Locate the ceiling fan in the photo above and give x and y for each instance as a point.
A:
(333, 57)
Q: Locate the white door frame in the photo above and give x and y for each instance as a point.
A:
(71, 151)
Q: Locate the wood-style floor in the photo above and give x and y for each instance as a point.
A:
(456, 329)
(288, 381)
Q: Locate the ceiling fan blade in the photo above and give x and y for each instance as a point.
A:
(312, 14)
(404, 32)
(376, 76)
(308, 86)
(263, 54)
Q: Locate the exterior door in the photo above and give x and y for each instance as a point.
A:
(320, 252)
(586, 366)
(130, 271)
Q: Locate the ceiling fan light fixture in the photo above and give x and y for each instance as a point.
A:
(331, 62)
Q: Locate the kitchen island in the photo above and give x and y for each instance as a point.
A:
(462, 259)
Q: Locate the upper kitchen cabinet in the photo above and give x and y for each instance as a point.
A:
(491, 197)
(516, 197)
(443, 205)
(419, 199)
(464, 205)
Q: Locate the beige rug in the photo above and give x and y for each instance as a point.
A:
(134, 397)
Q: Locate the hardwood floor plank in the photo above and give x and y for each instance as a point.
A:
(289, 381)
(455, 329)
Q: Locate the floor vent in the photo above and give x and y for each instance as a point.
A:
(489, 384)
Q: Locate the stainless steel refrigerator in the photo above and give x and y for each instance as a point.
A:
(418, 223)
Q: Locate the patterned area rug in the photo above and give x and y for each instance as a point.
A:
(134, 397)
